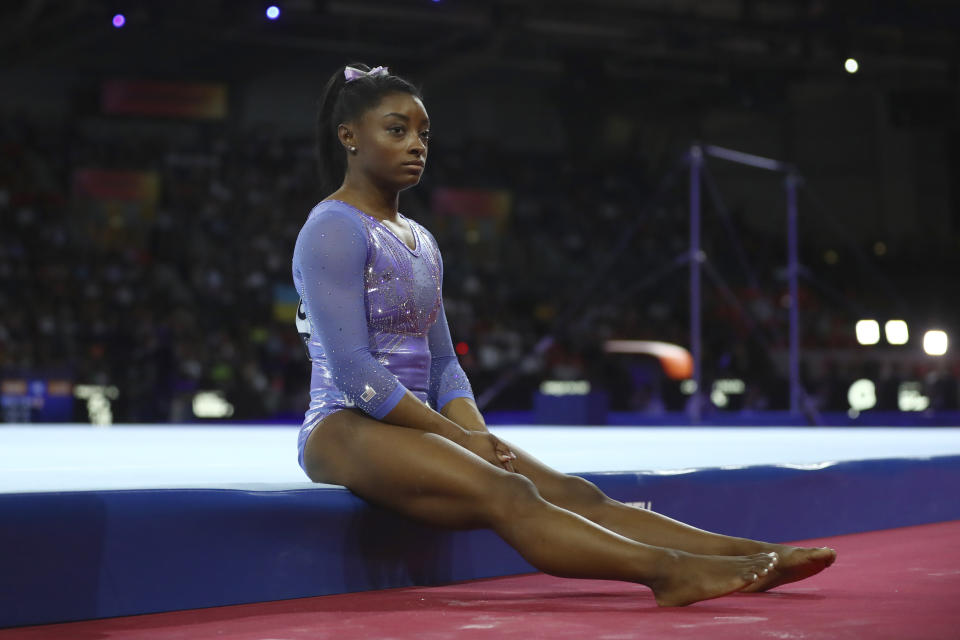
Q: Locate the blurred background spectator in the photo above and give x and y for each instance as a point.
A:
(153, 179)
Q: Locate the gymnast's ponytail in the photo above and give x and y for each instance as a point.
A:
(344, 101)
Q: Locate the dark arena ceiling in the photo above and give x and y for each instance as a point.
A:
(696, 42)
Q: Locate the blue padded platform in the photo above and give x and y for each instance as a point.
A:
(77, 555)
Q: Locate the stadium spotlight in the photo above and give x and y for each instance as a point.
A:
(910, 397)
(719, 398)
(935, 342)
(119, 20)
(896, 331)
(851, 65)
(868, 332)
(273, 12)
(862, 395)
(211, 404)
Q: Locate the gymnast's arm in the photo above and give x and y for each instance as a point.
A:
(466, 413)
(330, 255)
(449, 389)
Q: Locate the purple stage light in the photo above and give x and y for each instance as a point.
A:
(273, 12)
(119, 20)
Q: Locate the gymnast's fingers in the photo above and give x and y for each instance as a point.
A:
(506, 457)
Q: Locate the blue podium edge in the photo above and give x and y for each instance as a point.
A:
(93, 554)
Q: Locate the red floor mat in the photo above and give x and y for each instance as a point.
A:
(899, 583)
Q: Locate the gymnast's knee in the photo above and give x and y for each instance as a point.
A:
(511, 495)
(582, 496)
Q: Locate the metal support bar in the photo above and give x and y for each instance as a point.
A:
(696, 256)
(791, 182)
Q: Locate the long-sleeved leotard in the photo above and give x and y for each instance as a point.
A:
(371, 315)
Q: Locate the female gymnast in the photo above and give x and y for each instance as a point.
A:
(392, 416)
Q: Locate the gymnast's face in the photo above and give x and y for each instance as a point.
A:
(391, 141)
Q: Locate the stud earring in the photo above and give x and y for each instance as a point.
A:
(353, 149)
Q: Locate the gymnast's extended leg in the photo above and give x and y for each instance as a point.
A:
(432, 479)
(583, 497)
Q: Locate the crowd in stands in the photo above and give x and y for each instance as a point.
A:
(182, 299)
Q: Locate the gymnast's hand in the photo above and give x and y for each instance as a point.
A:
(490, 448)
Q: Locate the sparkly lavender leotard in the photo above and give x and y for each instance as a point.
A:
(371, 316)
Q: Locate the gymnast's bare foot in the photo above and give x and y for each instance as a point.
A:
(687, 578)
(796, 563)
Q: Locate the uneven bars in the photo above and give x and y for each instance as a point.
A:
(793, 179)
(747, 158)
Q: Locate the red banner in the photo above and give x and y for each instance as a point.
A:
(169, 99)
(471, 203)
(117, 184)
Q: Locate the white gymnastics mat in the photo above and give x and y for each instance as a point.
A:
(83, 458)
